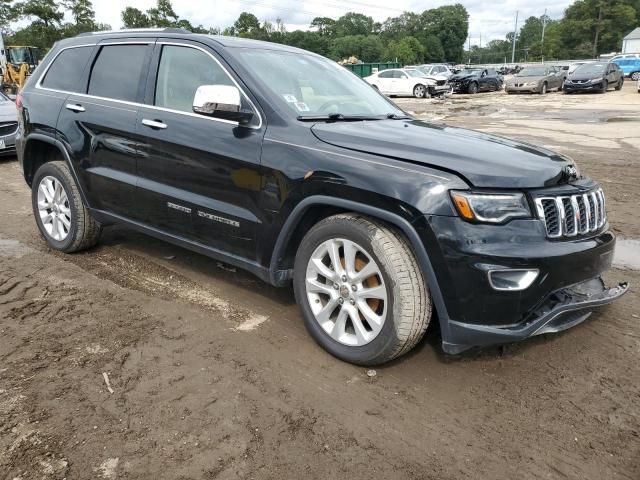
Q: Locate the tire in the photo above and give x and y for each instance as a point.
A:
(472, 88)
(561, 87)
(543, 89)
(420, 91)
(605, 86)
(620, 84)
(635, 76)
(83, 230)
(405, 310)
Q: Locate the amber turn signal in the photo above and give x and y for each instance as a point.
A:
(462, 204)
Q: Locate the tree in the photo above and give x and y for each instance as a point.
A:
(246, 25)
(81, 10)
(324, 25)
(45, 11)
(406, 50)
(450, 24)
(163, 15)
(134, 18)
(9, 13)
(367, 48)
(354, 24)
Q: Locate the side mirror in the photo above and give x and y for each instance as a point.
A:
(221, 101)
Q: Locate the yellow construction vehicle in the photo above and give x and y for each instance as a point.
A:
(16, 64)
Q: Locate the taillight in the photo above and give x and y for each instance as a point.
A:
(19, 101)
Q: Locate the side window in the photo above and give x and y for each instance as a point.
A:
(58, 77)
(386, 74)
(399, 74)
(180, 72)
(117, 71)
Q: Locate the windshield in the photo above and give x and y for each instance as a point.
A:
(471, 71)
(533, 72)
(414, 73)
(19, 55)
(590, 68)
(309, 85)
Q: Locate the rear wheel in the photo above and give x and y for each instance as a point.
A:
(473, 88)
(63, 220)
(635, 76)
(361, 291)
(420, 91)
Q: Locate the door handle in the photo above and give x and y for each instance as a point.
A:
(154, 124)
(75, 108)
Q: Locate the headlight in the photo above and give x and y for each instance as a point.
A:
(490, 207)
(594, 80)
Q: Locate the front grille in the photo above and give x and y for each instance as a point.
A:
(440, 83)
(8, 128)
(568, 216)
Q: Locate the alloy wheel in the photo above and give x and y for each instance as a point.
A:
(419, 91)
(54, 209)
(346, 292)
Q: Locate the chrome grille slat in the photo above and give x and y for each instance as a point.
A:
(572, 215)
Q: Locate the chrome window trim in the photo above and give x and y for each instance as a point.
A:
(153, 107)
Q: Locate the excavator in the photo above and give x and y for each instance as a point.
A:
(17, 63)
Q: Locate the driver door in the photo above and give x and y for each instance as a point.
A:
(199, 176)
(401, 83)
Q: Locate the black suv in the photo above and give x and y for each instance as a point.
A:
(283, 163)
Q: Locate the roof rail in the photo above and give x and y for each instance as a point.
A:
(136, 30)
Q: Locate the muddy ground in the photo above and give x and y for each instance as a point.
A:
(214, 376)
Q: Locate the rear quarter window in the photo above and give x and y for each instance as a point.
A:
(117, 72)
(65, 72)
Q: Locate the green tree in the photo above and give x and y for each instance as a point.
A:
(450, 24)
(134, 18)
(354, 24)
(407, 50)
(324, 25)
(81, 10)
(45, 11)
(246, 25)
(367, 48)
(163, 15)
(8, 13)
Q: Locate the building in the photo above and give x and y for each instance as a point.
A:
(631, 43)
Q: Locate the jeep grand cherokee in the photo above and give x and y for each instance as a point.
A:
(283, 163)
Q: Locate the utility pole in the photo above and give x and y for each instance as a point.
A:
(598, 26)
(544, 24)
(515, 33)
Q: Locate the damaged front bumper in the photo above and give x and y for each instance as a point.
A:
(563, 309)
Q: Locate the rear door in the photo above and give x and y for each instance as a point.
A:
(199, 177)
(98, 124)
(401, 83)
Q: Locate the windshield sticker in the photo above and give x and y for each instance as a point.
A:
(302, 106)
(290, 98)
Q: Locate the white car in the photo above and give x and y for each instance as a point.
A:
(435, 70)
(407, 82)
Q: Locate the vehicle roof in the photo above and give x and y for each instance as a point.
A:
(229, 42)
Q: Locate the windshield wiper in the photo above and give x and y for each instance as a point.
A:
(395, 116)
(338, 117)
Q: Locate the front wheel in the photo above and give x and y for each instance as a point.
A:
(620, 84)
(635, 76)
(361, 290)
(605, 86)
(420, 91)
(543, 89)
(63, 220)
(473, 88)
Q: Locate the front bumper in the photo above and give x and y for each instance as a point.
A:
(523, 89)
(582, 87)
(9, 146)
(476, 314)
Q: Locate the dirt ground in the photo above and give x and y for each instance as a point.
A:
(214, 376)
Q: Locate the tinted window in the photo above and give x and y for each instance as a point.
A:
(66, 70)
(386, 74)
(181, 71)
(116, 72)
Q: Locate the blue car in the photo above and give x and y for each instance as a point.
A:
(629, 64)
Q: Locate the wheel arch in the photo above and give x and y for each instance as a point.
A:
(40, 149)
(315, 208)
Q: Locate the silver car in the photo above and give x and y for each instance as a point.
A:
(536, 80)
(8, 126)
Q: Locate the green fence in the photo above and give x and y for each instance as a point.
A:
(366, 69)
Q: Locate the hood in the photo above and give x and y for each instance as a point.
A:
(484, 160)
(529, 78)
(458, 77)
(585, 76)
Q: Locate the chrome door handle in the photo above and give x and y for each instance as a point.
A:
(154, 124)
(75, 108)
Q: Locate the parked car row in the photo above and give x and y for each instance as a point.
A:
(408, 82)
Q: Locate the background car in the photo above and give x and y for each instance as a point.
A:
(474, 80)
(574, 65)
(536, 80)
(435, 70)
(406, 82)
(629, 64)
(8, 126)
(592, 77)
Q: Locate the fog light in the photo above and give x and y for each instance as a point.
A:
(512, 280)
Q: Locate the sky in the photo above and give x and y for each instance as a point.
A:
(488, 20)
